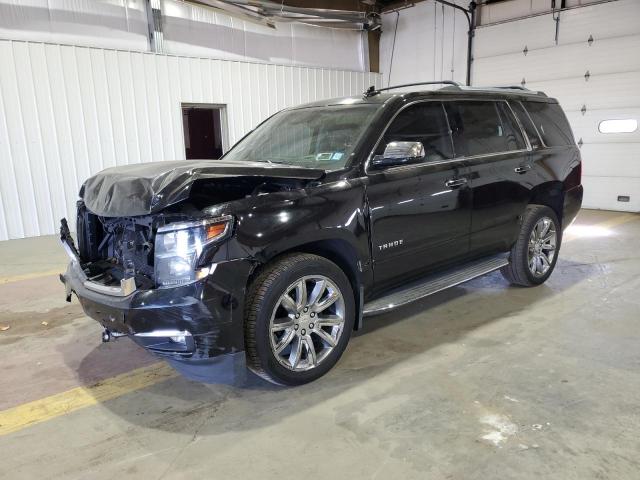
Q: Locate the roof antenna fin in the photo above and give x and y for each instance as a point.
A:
(371, 91)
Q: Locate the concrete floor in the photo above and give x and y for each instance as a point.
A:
(483, 381)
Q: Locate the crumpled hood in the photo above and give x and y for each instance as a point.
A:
(146, 188)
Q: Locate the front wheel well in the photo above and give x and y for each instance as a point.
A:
(340, 252)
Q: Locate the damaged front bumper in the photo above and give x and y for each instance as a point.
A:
(200, 320)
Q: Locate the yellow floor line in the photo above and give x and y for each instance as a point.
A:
(29, 276)
(38, 411)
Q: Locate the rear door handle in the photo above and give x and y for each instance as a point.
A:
(522, 168)
(455, 182)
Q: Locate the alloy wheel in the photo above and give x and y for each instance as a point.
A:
(307, 322)
(542, 246)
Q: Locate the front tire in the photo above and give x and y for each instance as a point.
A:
(299, 316)
(535, 253)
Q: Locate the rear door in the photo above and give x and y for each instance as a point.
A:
(487, 135)
(420, 213)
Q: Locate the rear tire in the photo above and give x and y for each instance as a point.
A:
(299, 315)
(535, 253)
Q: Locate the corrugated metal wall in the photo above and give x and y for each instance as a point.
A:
(430, 44)
(601, 39)
(188, 29)
(192, 30)
(67, 112)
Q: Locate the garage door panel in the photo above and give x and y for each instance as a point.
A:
(576, 26)
(615, 160)
(611, 161)
(603, 192)
(596, 94)
(539, 33)
(586, 126)
(570, 61)
(507, 10)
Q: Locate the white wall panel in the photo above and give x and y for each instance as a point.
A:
(431, 44)
(611, 162)
(188, 29)
(68, 112)
(110, 23)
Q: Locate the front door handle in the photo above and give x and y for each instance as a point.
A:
(455, 182)
(522, 168)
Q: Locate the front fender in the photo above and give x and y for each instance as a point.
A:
(334, 211)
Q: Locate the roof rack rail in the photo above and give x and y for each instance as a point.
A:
(372, 91)
(514, 87)
(524, 89)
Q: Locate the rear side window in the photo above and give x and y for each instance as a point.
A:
(422, 122)
(483, 127)
(551, 123)
(528, 126)
(511, 130)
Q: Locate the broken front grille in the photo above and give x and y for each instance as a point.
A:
(115, 248)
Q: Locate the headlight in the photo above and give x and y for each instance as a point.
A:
(178, 247)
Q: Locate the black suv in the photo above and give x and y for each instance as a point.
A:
(324, 214)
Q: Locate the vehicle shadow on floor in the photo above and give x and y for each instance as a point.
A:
(233, 399)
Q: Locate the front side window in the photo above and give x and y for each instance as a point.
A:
(313, 137)
(423, 122)
(483, 127)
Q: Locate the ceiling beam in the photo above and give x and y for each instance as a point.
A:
(399, 4)
(235, 10)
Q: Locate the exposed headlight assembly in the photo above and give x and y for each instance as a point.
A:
(178, 247)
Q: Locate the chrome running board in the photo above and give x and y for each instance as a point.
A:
(434, 283)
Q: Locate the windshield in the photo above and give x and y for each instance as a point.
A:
(314, 137)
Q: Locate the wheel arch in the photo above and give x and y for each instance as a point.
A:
(549, 194)
(338, 251)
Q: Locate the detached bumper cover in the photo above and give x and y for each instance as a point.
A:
(207, 313)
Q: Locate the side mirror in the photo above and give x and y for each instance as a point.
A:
(399, 153)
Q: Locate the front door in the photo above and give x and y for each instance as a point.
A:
(420, 213)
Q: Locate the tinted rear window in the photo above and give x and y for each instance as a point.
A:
(482, 127)
(551, 123)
